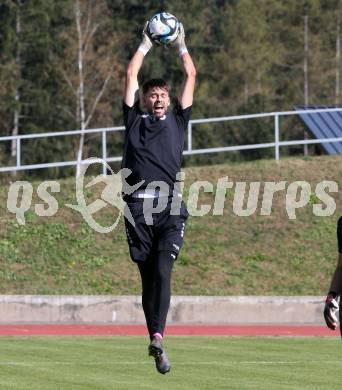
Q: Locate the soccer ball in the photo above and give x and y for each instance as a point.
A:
(163, 28)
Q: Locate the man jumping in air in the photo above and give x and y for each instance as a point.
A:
(335, 290)
(153, 152)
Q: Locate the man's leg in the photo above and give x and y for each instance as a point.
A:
(156, 290)
(170, 233)
(331, 305)
(170, 230)
(146, 269)
(162, 267)
(140, 241)
(336, 281)
(163, 264)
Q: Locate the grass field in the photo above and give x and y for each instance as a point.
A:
(204, 363)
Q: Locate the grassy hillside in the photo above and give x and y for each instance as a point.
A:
(222, 255)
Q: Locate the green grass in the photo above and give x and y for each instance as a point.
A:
(204, 363)
(222, 255)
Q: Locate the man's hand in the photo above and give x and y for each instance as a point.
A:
(330, 312)
(179, 42)
(146, 42)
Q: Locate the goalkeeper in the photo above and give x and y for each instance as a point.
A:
(331, 305)
(153, 152)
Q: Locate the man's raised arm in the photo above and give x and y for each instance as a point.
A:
(186, 92)
(131, 81)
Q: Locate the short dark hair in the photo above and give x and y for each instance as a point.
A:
(156, 83)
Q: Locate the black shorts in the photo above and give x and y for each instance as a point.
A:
(339, 234)
(166, 232)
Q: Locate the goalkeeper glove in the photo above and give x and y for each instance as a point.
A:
(330, 312)
(179, 42)
(146, 42)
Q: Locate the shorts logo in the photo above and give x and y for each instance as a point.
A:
(182, 231)
(176, 247)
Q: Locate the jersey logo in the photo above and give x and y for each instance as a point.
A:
(152, 117)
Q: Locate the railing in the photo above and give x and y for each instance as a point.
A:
(189, 151)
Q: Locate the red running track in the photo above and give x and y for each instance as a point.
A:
(137, 330)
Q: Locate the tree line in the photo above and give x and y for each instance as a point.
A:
(62, 66)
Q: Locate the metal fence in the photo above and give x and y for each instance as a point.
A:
(276, 144)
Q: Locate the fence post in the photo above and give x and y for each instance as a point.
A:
(276, 136)
(189, 136)
(104, 153)
(18, 152)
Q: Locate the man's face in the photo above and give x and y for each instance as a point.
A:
(156, 101)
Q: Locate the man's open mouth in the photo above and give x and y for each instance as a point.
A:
(158, 110)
